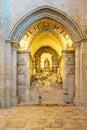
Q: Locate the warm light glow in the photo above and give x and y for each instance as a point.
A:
(45, 39)
(43, 57)
(46, 31)
(22, 44)
(69, 44)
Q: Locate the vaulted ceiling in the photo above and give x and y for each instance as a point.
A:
(46, 32)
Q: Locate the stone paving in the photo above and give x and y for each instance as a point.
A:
(43, 118)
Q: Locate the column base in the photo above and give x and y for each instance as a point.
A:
(77, 101)
(7, 102)
(27, 95)
(14, 101)
(2, 102)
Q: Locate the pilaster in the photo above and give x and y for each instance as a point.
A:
(8, 74)
(64, 71)
(77, 99)
(68, 73)
(23, 75)
(85, 73)
(14, 73)
(82, 74)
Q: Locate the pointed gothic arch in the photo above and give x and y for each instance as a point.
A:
(24, 23)
(73, 29)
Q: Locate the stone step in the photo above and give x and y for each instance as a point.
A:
(43, 103)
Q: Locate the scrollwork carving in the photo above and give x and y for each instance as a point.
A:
(71, 71)
(15, 45)
(21, 61)
(70, 60)
(21, 77)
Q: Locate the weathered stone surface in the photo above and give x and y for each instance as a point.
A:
(72, 18)
(29, 117)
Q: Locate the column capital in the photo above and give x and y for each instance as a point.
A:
(77, 43)
(23, 51)
(8, 41)
(15, 45)
(80, 40)
(68, 51)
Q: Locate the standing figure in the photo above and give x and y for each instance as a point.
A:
(46, 64)
(40, 99)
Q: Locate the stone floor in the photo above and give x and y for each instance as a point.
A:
(43, 118)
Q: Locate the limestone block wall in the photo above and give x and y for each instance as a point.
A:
(2, 56)
(17, 9)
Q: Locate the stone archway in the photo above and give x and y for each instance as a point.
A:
(70, 25)
(50, 12)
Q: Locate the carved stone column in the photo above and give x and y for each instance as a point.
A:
(85, 66)
(83, 71)
(77, 73)
(27, 92)
(8, 73)
(64, 70)
(14, 73)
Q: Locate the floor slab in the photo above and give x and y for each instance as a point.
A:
(43, 118)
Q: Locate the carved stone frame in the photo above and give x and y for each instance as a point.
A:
(73, 29)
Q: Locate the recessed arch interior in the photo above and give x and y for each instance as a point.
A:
(46, 32)
(45, 28)
(42, 12)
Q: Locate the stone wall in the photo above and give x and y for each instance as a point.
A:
(2, 49)
(75, 9)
